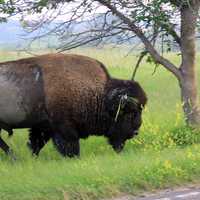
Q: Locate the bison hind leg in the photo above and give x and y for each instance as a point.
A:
(7, 149)
(9, 130)
(4, 146)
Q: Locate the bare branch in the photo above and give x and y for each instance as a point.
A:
(142, 55)
(157, 57)
(84, 41)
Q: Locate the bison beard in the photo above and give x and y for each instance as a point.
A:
(71, 97)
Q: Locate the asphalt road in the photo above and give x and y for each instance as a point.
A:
(191, 193)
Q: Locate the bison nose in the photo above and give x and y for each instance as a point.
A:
(118, 148)
(136, 132)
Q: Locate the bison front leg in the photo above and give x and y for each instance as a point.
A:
(39, 135)
(66, 148)
(66, 141)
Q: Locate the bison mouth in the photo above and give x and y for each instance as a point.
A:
(116, 145)
(132, 134)
(119, 148)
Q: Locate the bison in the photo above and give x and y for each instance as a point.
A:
(65, 97)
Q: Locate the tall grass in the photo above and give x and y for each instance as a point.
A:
(165, 153)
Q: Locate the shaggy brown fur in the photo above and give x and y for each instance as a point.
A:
(77, 98)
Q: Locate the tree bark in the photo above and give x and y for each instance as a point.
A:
(188, 82)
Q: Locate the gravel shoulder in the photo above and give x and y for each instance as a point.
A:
(191, 192)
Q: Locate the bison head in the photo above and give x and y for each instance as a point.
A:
(125, 101)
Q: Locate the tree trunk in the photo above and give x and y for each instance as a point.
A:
(188, 82)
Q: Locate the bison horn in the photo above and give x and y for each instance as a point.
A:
(123, 100)
(132, 100)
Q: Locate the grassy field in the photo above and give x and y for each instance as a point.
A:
(165, 153)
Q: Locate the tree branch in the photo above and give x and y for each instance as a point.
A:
(157, 57)
(142, 55)
(84, 41)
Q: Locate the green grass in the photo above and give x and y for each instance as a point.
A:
(165, 153)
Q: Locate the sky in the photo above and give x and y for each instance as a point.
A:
(62, 13)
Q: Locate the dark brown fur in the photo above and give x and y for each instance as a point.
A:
(80, 99)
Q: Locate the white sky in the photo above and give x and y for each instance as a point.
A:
(63, 11)
(64, 14)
